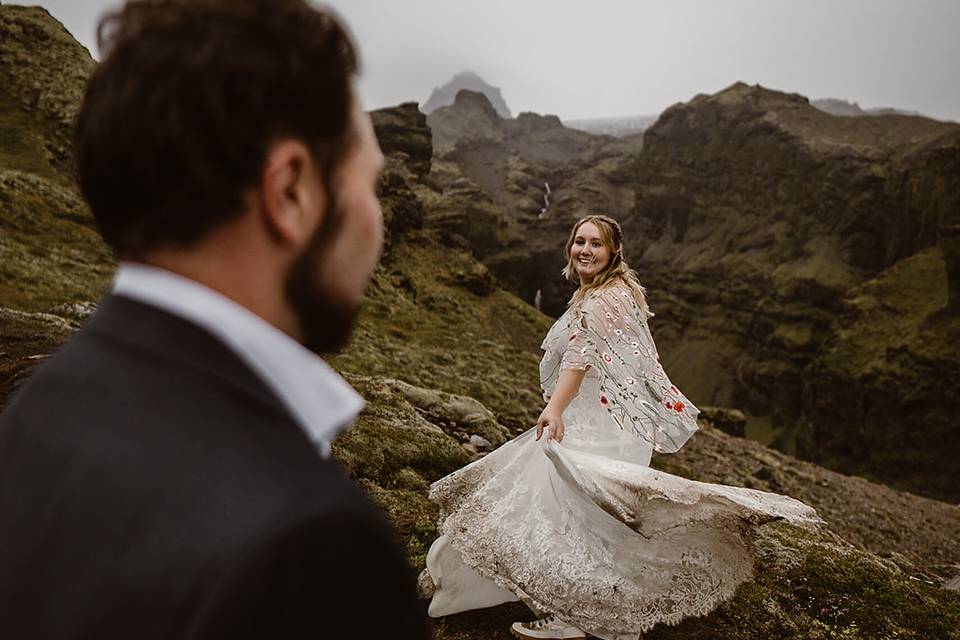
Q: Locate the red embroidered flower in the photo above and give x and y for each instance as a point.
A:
(679, 407)
(607, 357)
(603, 399)
(668, 405)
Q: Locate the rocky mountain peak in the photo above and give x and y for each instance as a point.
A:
(470, 120)
(476, 101)
(743, 111)
(754, 96)
(529, 121)
(446, 94)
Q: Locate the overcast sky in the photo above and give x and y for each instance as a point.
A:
(636, 57)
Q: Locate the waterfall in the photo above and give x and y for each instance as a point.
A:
(546, 199)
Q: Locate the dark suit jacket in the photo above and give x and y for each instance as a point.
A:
(151, 486)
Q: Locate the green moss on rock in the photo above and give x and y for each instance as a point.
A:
(882, 394)
(390, 436)
(815, 585)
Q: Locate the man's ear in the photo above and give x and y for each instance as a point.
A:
(291, 194)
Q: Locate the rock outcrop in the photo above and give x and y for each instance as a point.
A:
(471, 122)
(403, 133)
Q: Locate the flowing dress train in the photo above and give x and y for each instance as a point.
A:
(584, 528)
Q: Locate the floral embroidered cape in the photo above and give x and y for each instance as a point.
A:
(609, 334)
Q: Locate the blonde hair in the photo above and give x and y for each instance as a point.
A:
(617, 270)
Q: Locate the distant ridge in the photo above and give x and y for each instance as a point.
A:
(445, 95)
(619, 126)
(839, 107)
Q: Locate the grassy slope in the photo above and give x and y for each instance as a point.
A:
(49, 251)
(50, 254)
(420, 327)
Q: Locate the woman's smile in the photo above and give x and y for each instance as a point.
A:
(589, 253)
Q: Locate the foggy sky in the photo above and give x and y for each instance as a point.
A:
(631, 57)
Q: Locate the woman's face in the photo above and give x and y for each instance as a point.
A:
(590, 255)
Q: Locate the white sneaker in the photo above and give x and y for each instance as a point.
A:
(550, 627)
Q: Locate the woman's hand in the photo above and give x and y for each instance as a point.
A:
(568, 383)
(550, 419)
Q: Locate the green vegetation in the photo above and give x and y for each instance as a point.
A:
(422, 326)
(895, 311)
(890, 366)
(816, 586)
(49, 252)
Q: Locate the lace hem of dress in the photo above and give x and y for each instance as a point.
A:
(613, 591)
(600, 621)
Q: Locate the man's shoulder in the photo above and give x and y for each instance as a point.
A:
(131, 356)
(158, 399)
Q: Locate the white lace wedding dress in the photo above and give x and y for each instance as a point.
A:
(585, 529)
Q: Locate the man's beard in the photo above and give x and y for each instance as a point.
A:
(325, 323)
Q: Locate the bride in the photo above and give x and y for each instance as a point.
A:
(575, 523)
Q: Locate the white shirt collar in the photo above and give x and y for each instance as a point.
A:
(321, 401)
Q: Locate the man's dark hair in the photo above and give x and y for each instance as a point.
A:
(177, 118)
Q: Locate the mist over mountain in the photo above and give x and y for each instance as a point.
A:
(445, 95)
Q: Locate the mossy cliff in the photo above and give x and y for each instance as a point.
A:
(763, 219)
(881, 397)
(447, 360)
(42, 70)
(52, 261)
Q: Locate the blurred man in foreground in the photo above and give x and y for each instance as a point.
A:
(167, 473)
